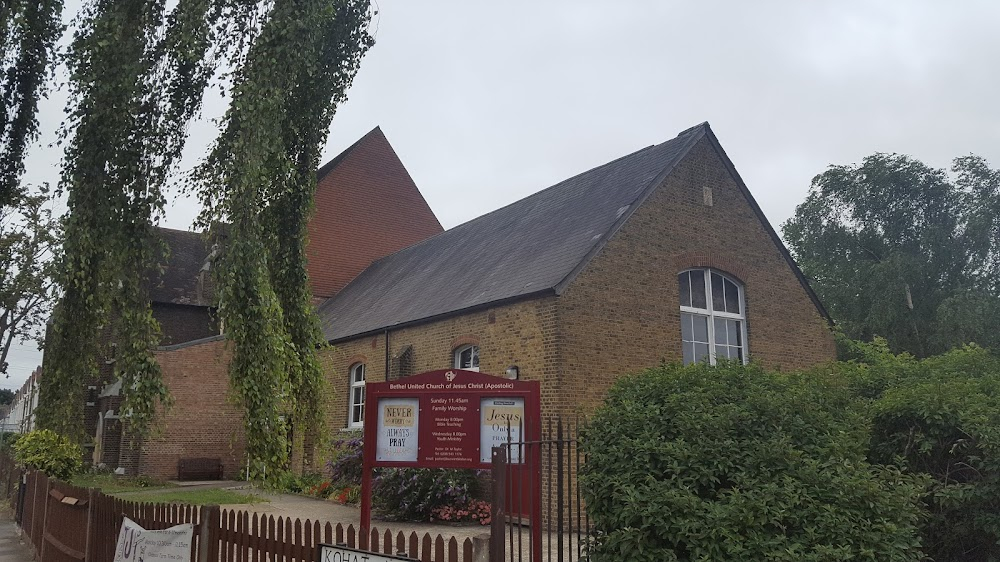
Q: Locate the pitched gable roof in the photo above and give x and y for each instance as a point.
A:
(536, 245)
(366, 207)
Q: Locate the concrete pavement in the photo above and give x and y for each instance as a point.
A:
(11, 548)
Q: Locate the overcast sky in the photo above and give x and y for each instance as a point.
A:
(487, 102)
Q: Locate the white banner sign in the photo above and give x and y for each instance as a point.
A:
(498, 416)
(136, 544)
(398, 421)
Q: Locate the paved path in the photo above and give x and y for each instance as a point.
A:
(11, 549)
(303, 507)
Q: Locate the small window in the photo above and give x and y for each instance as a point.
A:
(356, 409)
(713, 323)
(467, 357)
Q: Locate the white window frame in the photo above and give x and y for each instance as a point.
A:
(353, 384)
(457, 357)
(713, 314)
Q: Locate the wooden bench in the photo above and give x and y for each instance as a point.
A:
(199, 469)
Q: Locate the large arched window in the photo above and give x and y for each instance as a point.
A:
(356, 408)
(467, 357)
(713, 318)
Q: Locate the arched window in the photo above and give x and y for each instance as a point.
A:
(467, 357)
(713, 318)
(356, 408)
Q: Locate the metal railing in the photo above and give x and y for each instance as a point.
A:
(547, 522)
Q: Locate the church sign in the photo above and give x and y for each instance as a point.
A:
(449, 418)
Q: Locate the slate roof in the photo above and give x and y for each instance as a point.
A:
(178, 281)
(535, 245)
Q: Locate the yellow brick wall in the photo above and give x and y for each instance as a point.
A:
(521, 334)
(621, 314)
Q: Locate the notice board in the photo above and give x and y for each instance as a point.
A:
(449, 418)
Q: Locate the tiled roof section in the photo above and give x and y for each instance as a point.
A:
(537, 244)
(179, 280)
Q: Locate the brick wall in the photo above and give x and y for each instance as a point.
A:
(367, 207)
(513, 334)
(202, 422)
(622, 314)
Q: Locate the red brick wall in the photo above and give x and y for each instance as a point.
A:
(202, 422)
(622, 313)
(367, 207)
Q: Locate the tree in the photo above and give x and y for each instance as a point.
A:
(897, 249)
(28, 31)
(6, 396)
(28, 244)
(260, 179)
(138, 71)
(136, 77)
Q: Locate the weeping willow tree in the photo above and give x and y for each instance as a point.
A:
(259, 180)
(138, 73)
(28, 32)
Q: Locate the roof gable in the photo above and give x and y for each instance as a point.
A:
(366, 207)
(717, 146)
(532, 246)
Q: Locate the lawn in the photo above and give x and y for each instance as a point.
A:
(112, 484)
(198, 496)
(145, 489)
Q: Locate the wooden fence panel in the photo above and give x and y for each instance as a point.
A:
(28, 508)
(64, 538)
(73, 524)
(246, 537)
(38, 524)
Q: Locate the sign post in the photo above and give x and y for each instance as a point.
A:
(451, 418)
(338, 553)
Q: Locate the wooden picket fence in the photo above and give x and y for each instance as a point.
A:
(67, 523)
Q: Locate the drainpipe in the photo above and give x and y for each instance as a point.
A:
(387, 354)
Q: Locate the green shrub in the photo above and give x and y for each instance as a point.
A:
(944, 422)
(734, 463)
(53, 454)
(290, 482)
(7, 441)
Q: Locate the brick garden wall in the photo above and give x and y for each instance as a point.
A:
(622, 314)
(202, 422)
